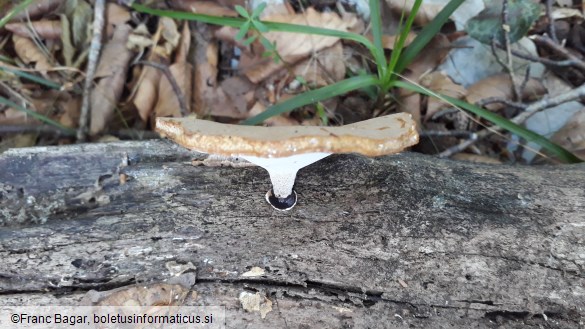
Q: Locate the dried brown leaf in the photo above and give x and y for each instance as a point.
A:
(35, 9)
(292, 47)
(442, 84)
(147, 90)
(228, 100)
(184, 44)
(112, 69)
(500, 86)
(170, 34)
(279, 120)
(172, 293)
(46, 29)
(116, 14)
(168, 103)
(70, 108)
(426, 61)
(204, 7)
(205, 80)
(388, 41)
(28, 52)
(424, 15)
(325, 68)
(572, 135)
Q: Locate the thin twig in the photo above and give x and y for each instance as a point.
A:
(544, 61)
(492, 100)
(573, 94)
(459, 147)
(448, 133)
(551, 23)
(176, 89)
(94, 53)
(559, 49)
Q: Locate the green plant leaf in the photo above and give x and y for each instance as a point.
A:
(259, 9)
(248, 41)
(260, 26)
(243, 30)
(301, 79)
(487, 25)
(508, 125)
(378, 49)
(399, 46)
(33, 78)
(314, 96)
(321, 113)
(269, 46)
(15, 10)
(242, 11)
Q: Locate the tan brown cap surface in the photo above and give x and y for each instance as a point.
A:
(379, 136)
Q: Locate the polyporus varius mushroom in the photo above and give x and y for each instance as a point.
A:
(282, 151)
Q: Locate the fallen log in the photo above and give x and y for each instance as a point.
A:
(403, 240)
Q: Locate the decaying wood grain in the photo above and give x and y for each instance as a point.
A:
(399, 241)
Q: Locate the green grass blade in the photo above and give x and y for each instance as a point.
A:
(376, 21)
(426, 35)
(238, 22)
(37, 116)
(17, 9)
(397, 52)
(33, 78)
(314, 96)
(556, 150)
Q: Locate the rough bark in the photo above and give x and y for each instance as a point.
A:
(400, 241)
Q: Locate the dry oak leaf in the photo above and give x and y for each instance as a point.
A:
(442, 84)
(170, 293)
(572, 135)
(325, 68)
(426, 61)
(168, 103)
(205, 7)
(279, 120)
(147, 90)
(229, 99)
(117, 14)
(292, 47)
(28, 52)
(112, 69)
(500, 86)
(34, 10)
(46, 29)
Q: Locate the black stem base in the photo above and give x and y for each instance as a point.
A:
(281, 204)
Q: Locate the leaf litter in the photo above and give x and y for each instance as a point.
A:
(222, 79)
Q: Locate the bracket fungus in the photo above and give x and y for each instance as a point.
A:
(282, 151)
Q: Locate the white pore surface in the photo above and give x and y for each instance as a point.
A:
(283, 171)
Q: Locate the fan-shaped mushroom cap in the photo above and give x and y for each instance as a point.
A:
(374, 137)
(282, 151)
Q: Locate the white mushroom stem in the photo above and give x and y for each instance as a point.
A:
(283, 171)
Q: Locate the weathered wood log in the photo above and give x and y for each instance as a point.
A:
(404, 240)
